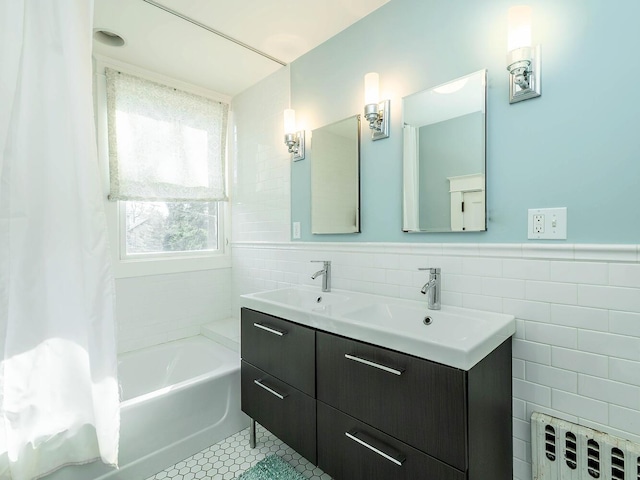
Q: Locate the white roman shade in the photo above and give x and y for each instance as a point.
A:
(164, 144)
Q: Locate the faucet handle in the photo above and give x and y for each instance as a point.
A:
(434, 271)
(326, 262)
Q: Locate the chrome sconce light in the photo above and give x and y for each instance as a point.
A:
(375, 111)
(293, 139)
(523, 60)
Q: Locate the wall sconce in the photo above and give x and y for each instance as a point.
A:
(375, 111)
(292, 139)
(523, 60)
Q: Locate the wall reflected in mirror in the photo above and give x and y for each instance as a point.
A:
(335, 177)
(444, 159)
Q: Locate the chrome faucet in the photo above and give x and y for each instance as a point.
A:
(432, 288)
(326, 274)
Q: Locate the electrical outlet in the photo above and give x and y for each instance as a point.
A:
(296, 230)
(547, 224)
(538, 223)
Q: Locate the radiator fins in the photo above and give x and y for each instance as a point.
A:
(563, 450)
(617, 464)
(550, 442)
(593, 458)
(571, 451)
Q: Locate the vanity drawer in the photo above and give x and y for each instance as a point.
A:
(284, 349)
(283, 410)
(416, 401)
(345, 451)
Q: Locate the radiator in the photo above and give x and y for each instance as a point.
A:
(565, 451)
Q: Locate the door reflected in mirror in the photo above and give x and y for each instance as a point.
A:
(335, 177)
(444, 159)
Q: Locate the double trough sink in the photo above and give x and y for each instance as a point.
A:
(453, 336)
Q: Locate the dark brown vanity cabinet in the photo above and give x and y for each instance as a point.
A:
(458, 422)
(382, 414)
(278, 378)
(346, 457)
(403, 396)
(285, 349)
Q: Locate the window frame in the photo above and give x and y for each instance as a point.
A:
(133, 265)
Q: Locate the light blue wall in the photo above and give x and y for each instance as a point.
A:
(447, 149)
(577, 146)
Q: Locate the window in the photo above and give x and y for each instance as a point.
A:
(170, 227)
(166, 172)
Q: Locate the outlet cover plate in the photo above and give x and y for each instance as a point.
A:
(554, 224)
(296, 230)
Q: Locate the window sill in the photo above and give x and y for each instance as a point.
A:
(161, 266)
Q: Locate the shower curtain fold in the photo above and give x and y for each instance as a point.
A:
(59, 399)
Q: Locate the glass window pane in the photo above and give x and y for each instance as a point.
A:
(158, 227)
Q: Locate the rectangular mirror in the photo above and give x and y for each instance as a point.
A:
(444, 159)
(335, 177)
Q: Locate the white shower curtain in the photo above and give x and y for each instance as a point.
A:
(58, 387)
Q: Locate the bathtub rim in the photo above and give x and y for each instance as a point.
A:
(230, 362)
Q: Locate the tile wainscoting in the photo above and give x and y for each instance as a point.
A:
(155, 309)
(576, 351)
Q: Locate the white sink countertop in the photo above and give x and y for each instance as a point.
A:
(453, 336)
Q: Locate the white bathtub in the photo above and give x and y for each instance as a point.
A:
(177, 399)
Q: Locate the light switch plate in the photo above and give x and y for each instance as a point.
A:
(547, 224)
(296, 230)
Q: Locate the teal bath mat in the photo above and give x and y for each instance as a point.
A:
(271, 468)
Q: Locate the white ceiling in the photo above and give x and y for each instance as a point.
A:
(159, 41)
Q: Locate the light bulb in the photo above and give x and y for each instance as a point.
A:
(371, 88)
(289, 121)
(519, 27)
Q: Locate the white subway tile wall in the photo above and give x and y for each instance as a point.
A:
(159, 308)
(576, 352)
(260, 183)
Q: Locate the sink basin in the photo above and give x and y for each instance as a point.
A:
(453, 336)
(302, 298)
(385, 314)
(298, 304)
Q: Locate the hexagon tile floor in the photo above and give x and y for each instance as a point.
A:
(229, 458)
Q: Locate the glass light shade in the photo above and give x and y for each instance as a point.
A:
(289, 121)
(371, 88)
(519, 27)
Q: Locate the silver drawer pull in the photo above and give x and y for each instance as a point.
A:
(270, 330)
(270, 390)
(374, 364)
(398, 461)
